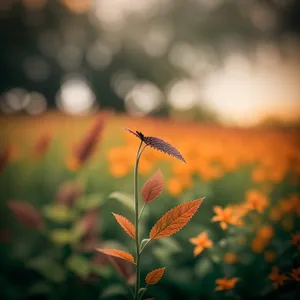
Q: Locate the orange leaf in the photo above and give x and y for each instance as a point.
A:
(125, 224)
(155, 276)
(117, 253)
(153, 187)
(149, 299)
(175, 219)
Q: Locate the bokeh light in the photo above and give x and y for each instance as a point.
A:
(145, 97)
(76, 96)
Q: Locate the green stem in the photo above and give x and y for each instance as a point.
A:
(136, 208)
(143, 207)
(143, 293)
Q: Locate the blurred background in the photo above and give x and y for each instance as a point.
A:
(219, 79)
(234, 61)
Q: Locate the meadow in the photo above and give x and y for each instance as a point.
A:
(61, 177)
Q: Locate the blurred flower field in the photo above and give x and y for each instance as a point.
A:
(61, 177)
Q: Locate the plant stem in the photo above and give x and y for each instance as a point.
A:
(143, 207)
(136, 208)
(143, 293)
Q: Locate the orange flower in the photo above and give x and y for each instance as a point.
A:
(266, 232)
(290, 205)
(258, 245)
(230, 258)
(256, 200)
(174, 186)
(275, 214)
(226, 283)
(201, 242)
(119, 169)
(225, 216)
(277, 278)
(259, 175)
(270, 256)
(296, 239)
(295, 274)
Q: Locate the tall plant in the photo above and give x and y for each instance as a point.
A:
(170, 223)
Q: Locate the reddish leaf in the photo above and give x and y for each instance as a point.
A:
(26, 214)
(118, 253)
(149, 299)
(153, 187)
(125, 224)
(155, 276)
(124, 268)
(175, 219)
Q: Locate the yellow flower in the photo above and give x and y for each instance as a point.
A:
(201, 242)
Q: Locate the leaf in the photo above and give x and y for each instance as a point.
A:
(163, 146)
(59, 213)
(155, 276)
(170, 244)
(27, 215)
(149, 299)
(125, 199)
(117, 253)
(39, 288)
(175, 219)
(125, 224)
(153, 187)
(113, 290)
(89, 202)
(158, 144)
(79, 265)
(48, 267)
(61, 236)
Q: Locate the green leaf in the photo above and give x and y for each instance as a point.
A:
(203, 267)
(79, 265)
(47, 267)
(61, 236)
(162, 255)
(123, 198)
(170, 244)
(113, 290)
(89, 202)
(59, 213)
(102, 270)
(77, 233)
(39, 288)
